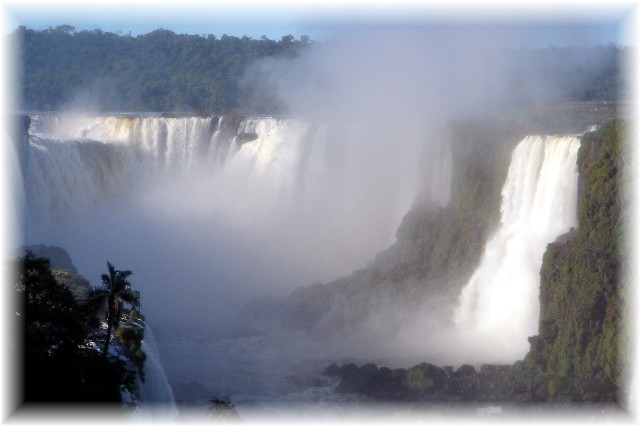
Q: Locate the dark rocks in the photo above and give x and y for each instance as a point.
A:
(465, 370)
(428, 383)
(448, 371)
(24, 122)
(332, 371)
(388, 385)
(243, 138)
(356, 380)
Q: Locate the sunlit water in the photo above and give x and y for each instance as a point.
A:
(207, 222)
(539, 203)
(210, 213)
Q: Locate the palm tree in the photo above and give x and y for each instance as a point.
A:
(115, 291)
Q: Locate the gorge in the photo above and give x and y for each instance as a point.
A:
(144, 176)
(395, 219)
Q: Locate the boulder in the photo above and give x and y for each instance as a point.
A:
(333, 371)
(356, 380)
(465, 370)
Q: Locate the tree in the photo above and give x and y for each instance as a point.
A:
(58, 364)
(159, 71)
(67, 29)
(115, 291)
(52, 327)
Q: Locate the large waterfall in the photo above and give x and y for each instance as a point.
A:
(206, 210)
(539, 203)
(75, 163)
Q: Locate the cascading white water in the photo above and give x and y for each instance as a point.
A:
(539, 203)
(155, 394)
(210, 212)
(304, 184)
(75, 164)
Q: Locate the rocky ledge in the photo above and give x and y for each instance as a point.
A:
(430, 383)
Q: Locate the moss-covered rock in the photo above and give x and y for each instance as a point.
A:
(436, 248)
(427, 382)
(78, 284)
(578, 355)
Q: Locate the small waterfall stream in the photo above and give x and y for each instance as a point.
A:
(155, 394)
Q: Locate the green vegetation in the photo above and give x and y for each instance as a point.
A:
(422, 377)
(443, 246)
(594, 73)
(579, 352)
(59, 363)
(115, 291)
(79, 286)
(160, 71)
(436, 249)
(131, 337)
(136, 314)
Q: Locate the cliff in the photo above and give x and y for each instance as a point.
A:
(62, 268)
(436, 248)
(579, 353)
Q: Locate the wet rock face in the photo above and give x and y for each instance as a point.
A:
(243, 138)
(427, 382)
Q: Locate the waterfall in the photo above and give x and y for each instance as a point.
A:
(539, 203)
(76, 163)
(155, 394)
(309, 186)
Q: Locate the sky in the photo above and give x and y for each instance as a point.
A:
(547, 22)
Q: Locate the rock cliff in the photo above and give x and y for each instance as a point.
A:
(579, 354)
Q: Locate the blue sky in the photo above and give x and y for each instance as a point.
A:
(139, 17)
(543, 22)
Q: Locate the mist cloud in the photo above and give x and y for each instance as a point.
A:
(379, 100)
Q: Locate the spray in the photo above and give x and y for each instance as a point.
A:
(539, 203)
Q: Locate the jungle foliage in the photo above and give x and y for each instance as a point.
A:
(60, 69)
(58, 361)
(579, 352)
(160, 71)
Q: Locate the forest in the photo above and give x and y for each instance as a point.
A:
(60, 69)
(66, 356)
(579, 352)
(159, 71)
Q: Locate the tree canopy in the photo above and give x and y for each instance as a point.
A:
(159, 71)
(59, 363)
(60, 68)
(115, 290)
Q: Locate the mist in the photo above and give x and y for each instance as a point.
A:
(390, 94)
(214, 248)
